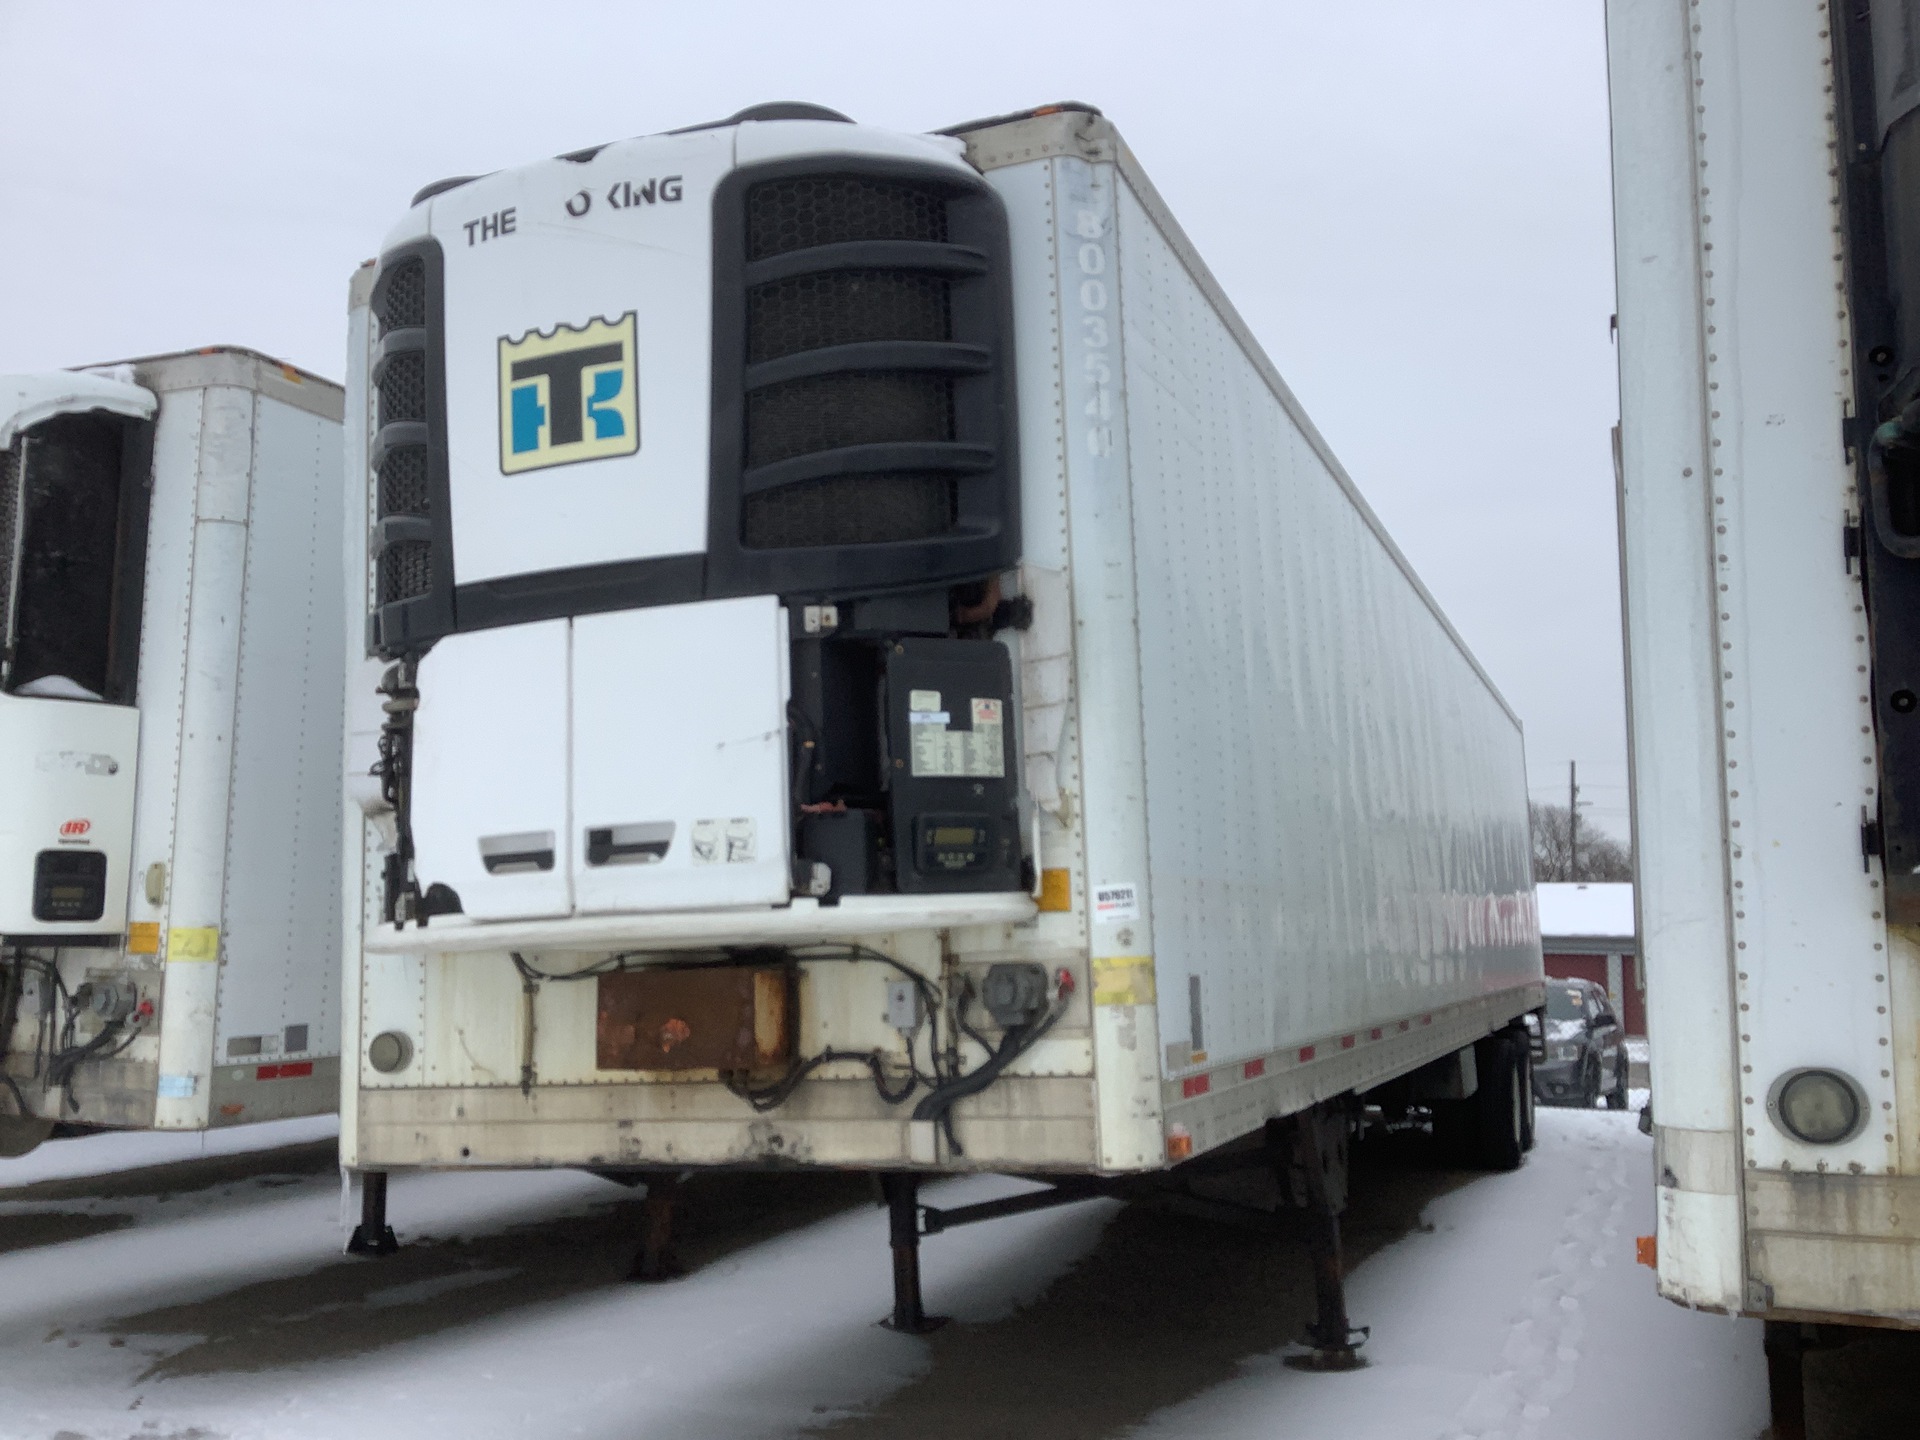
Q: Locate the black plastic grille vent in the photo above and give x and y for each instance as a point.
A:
(850, 346)
(864, 435)
(404, 563)
(809, 210)
(859, 407)
(403, 387)
(851, 510)
(404, 303)
(406, 569)
(843, 307)
(403, 483)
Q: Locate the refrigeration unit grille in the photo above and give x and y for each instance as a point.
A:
(404, 304)
(809, 312)
(403, 388)
(406, 568)
(851, 510)
(863, 420)
(404, 565)
(831, 412)
(809, 210)
(403, 483)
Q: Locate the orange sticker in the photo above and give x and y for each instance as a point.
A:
(143, 938)
(1056, 889)
(1646, 1250)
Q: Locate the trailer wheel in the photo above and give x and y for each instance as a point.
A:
(1617, 1096)
(1523, 1048)
(1590, 1083)
(1499, 1105)
(1493, 1127)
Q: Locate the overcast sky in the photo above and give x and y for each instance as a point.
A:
(1407, 200)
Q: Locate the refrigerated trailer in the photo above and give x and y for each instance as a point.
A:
(171, 672)
(1768, 248)
(865, 663)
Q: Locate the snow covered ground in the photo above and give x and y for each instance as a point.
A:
(210, 1300)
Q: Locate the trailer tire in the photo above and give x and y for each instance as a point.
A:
(1590, 1084)
(1499, 1104)
(1493, 1127)
(1523, 1049)
(1617, 1096)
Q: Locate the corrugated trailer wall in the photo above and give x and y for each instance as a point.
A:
(1336, 795)
(1329, 880)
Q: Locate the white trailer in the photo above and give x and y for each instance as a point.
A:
(1764, 197)
(862, 621)
(170, 690)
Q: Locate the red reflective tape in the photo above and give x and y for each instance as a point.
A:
(1253, 1069)
(1346, 1042)
(1426, 1019)
(1306, 1053)
(1373, 1035)
(1196, 1085)
(1403, 1025)
(293, 1070)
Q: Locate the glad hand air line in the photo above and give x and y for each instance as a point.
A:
(866, 664)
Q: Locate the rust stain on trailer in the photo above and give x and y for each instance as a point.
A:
(696, 1017)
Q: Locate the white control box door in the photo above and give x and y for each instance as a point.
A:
(490, 771)
(67, 769)
(680, 758)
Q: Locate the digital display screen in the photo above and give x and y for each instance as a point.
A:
(955, 835)
(69, 885)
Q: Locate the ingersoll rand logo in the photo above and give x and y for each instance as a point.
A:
(75, 829)
(567, 394)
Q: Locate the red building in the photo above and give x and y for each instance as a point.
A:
(1587, 933)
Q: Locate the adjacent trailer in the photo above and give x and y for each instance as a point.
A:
(865, 663)
(170, 711)
(1769, 304)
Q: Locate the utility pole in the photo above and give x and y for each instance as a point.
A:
(1573, 820)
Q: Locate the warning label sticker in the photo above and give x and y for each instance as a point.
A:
(976, 754)
(1116, 902)
(724, 842)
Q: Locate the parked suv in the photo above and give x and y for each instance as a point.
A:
(1586, 1048)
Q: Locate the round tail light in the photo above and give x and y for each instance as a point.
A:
(1820, 1107)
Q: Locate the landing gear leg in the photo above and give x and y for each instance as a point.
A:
(1334, 1342)
(656, 1259)
(1786, 1380)
(903, 1224)
(373, 1236)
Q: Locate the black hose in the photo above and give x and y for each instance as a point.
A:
(60, 1069)
(1015, 1043)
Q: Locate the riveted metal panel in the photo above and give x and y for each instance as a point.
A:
(1335, 795)
(1810, 971)
(280, 982)
(1672, 643)
(1743, 421)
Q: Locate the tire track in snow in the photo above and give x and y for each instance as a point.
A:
(1543, 1346)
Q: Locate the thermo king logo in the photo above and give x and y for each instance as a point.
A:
(568, 394)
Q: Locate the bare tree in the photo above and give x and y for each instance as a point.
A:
(1600, 856)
